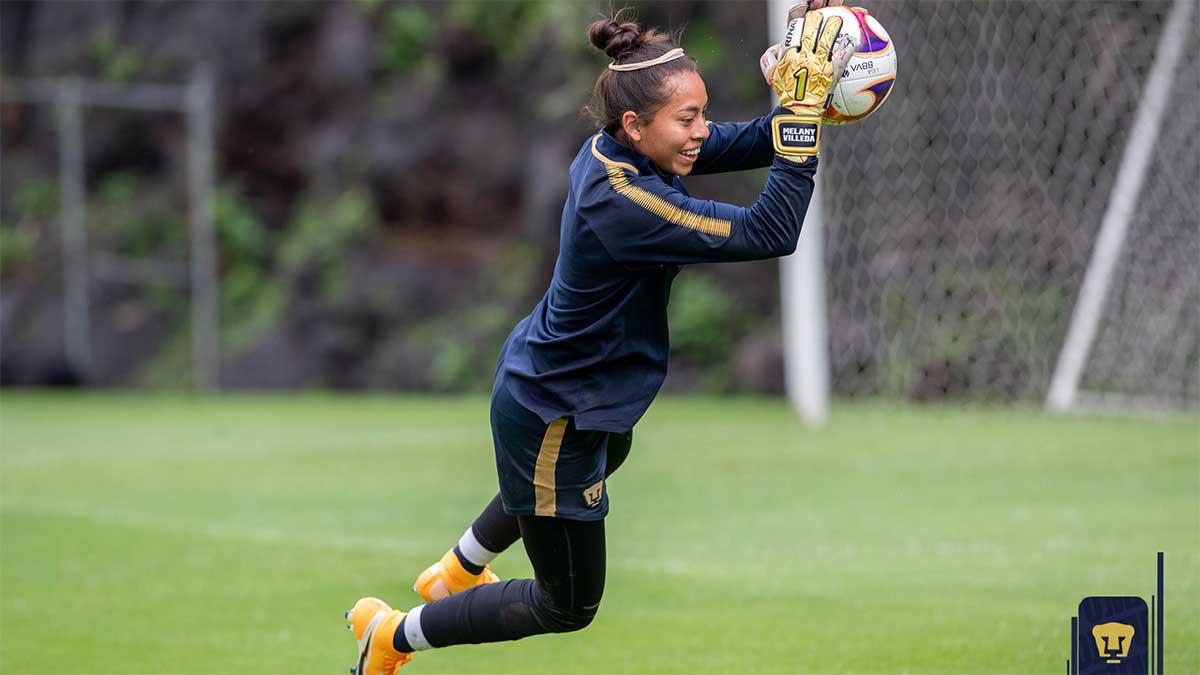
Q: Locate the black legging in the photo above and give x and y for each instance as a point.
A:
(568, 568)
(568, 565)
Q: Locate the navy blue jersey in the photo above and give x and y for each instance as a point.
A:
(595, 347)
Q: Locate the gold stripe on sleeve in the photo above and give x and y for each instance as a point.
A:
(655, 204)
(545, 503)
(608, 162)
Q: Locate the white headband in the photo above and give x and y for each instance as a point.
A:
(669, 56)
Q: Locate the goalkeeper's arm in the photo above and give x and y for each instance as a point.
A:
(641, 220)
(738, 146)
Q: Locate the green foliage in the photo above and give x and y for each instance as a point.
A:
(449, 350)
(705, 325)
(452, 367)
(170, 369)
(408, 31)
(128, 219)
(372, 8)
(114, 60)
(462, 344)
(703, 318)
(749, 86)
(37, 199)
(516, 27)
(703, 43)
(36, 209)
(119, 187)
(17, 245)
(241, 235)
(324, 231)
(505, 25)
(252, 297)
(513, 29)
(515, 271)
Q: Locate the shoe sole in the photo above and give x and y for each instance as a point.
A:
(364, 645)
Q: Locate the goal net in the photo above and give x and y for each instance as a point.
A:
(961, 219)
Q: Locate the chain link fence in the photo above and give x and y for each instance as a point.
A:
(962, 216)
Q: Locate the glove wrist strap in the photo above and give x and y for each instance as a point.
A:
(796, 135)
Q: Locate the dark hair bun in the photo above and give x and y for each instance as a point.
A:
(613, 37)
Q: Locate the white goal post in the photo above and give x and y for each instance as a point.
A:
(802, 292)
(967, 244)
(1085, 319)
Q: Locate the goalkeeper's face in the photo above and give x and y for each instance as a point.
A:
(672, 138)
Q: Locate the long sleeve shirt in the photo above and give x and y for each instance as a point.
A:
(596, 346)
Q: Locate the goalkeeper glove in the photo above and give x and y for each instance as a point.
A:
(803, 76)
(770, 58)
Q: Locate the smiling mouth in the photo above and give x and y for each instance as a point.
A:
(691, 154)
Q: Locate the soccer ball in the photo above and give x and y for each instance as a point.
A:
(869, 74)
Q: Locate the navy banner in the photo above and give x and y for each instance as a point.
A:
(1113, 636)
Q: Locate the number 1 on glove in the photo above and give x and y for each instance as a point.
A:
(803, 80)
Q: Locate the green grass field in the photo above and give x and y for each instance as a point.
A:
(227, 535)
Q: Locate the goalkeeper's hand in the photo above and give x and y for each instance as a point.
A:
(770, 58)
(803, 78)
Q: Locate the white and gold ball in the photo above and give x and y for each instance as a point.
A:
(871, 71)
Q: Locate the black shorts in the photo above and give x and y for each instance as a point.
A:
(550, 470)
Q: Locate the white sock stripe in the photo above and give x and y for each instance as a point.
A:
(474, 551)
(412, 629)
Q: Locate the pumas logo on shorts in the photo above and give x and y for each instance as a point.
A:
(594, 494)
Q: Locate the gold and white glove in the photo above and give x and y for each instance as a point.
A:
(803, 78)
(770, 58)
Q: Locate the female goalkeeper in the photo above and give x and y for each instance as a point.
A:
(578, 372)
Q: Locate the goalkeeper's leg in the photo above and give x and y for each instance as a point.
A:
(568, 560)
(493, 531)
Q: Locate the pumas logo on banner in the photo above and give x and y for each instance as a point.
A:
(1112, 634)
(1113, 639)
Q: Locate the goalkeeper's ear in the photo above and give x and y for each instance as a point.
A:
(632, 125)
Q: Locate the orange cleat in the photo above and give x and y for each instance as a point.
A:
(447, 577)
(374, 623)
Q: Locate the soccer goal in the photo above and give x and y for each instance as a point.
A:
(1023, 205)
(66, 100)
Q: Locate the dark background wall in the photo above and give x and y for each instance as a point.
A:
(390, 178)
